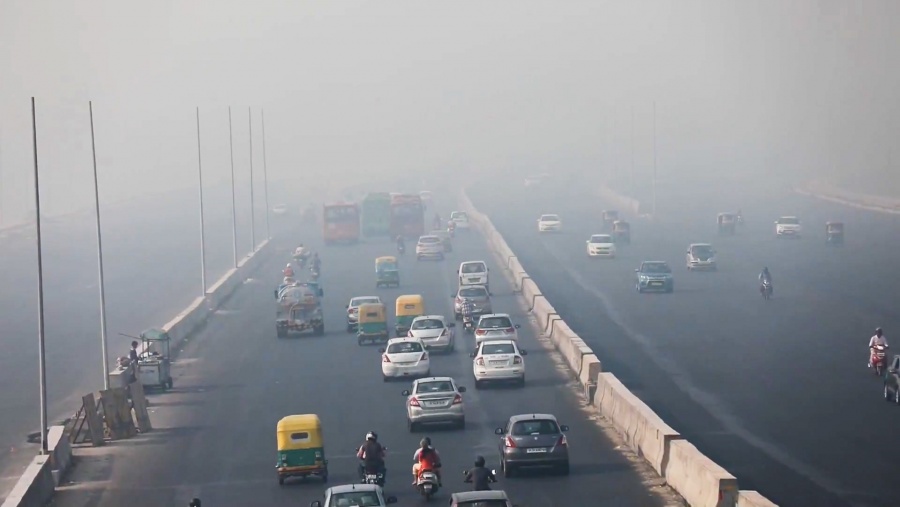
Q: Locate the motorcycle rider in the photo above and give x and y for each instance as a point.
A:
(372, 454)
(466, 310)
(426, 461)
(763, 277)
(401, 246)
(480, 476)
(874, 341)
(437, 457)
(288, 271)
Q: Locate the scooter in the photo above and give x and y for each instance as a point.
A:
(766, 289)
(878, 359)
(427, 484)
(401, 248)
(468, 324)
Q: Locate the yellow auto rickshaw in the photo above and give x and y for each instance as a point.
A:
(834, 233)
(726, 223)
(387, 272)
(372, 323)
(301, 448)
(408, 308)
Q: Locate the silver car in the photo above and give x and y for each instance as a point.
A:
(430, 247)
(353, 309)
(434, 400)
(434, 332)
(496, 326)
(370, 495)
(533, 440)
(477, 295)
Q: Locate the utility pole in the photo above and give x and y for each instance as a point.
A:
(265, 174)
(233, 204)
(103, 337)
(202, 222)
(654, 160)
(42, 358)
(252, 205)
(632, 151)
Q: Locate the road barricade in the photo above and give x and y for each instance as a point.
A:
(699, 479)
(753, 499)
(35, 487)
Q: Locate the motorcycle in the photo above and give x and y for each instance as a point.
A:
(451, 229)
(766, 289)
(877, 359)
(427, 484)
(314, 273)
(401, 248)
(468, 324)
(491, 479)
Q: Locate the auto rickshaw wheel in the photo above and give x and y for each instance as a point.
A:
(281, 480)
(325, 475)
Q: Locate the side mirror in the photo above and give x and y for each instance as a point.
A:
(452, 324)
(462, 389)
(381, 350)
(523, 352)
(517, 326)
(390, 499)
(563, 427)
(405, 392)
(473, 355)
(499, 431)
(315, 504)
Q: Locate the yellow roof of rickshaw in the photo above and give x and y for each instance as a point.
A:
(410, 299)
(301, 421)
(385, 258)
(366, 308)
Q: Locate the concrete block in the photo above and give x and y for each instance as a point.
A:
(753, 499)
(643, 431)
(543, 311)
(223, 288)
(60, 450)
(698, 479)
(590, 369)
(530, 291)
(35, 487)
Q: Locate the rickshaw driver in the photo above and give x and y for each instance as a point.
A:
(372, 455)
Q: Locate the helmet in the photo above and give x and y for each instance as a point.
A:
(426, 442)
(878, 330)
(372, 436)
(479, 461)
(288, 265)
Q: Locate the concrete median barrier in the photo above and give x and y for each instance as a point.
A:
(827, 192)
(60, 450)
(573, 350)
(643, 431)
(530, 292)
(35, 487)
(590, 370)
(543, 311)
(697, 478)
(753, 499)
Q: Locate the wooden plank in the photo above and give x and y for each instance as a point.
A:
(92, 416)
(136, 390)
(117, 413)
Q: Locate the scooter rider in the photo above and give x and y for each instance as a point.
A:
(288, 271)
(426, 461)
(876, 340)
(764, 276)
(401, 246)
(466, 310)
(480, 476)
(372, 454)
(437, 457)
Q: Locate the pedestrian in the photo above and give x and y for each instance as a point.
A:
(133, 359)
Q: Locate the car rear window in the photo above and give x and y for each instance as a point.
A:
(404, 348)
(356, 499)
(788, 221)
(601, 239)
(656, 268)
(430, 239)
(459, 214)
(552, 218)
(494, 322)
(475, 267)
(441, 386)
(427, 324)
(535, 427)
(362, 301)
(497, 348)
(484, 503)
(473, 292)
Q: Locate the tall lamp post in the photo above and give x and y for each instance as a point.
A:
(103, 338)
(202, 223)
(42, 359)
(252, 203)
(265, 174)
(233, 205)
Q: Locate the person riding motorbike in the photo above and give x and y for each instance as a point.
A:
(288, 271)
(764, 276)
(480, 476)
(437, 221)
(372, 454)
(426, 461)
(437, 457)
(466, 310)
(877, 340)
(316, 262)
(401, 245)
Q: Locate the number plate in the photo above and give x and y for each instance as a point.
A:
(498, 363)
(656, 283)
(534, 450)
(434, 403)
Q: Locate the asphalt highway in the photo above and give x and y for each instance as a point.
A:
(214, 435)
(152, 272)
(777, 392)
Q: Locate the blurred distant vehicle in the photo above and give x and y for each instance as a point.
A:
(280, 209)
(549, 223)
(654, 276)
(788, 226)
(430, 247)
(536, 180)
(460, 218)
(601, 245)
(701, 256)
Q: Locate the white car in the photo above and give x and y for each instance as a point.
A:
(474, 273)
(460, 218)
(498, 360)
(549, 223)
(404, 357)
(788, 226)
(434, 332)
(353, 309)
(496, 326)
(601, 245)
(430, 247)
(701, 256)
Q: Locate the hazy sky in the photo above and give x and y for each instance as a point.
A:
(353, 88)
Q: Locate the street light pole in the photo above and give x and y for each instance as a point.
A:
(265, 174)
(654, 160)
(233, 205)
(202, 222)
(42, 359)
(103, 338)
(252, 204)
(631, 190)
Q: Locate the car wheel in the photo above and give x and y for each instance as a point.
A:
(280, 480)
(479, 385)
(412, 426)
(384, 378)
(564, 468)
(522, 381)
(507, 470)
(462, 423)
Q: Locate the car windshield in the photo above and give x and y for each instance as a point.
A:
(702, 250)
(550, 218)
(473, 292)
(494, 322)
(497, 348)
(788, 221)
(356, 302)
(655, 267)
(475, 267)
(535, 427)
(387, 266)
(404, 348)
(483, 503)
(355, 499)
(439, 386)
(428, 324)
(601, 238)
(430, 239)
(459, 215)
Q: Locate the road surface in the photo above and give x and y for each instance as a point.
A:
(215, 432)
(777, 392)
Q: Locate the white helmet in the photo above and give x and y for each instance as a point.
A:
(371, 436)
